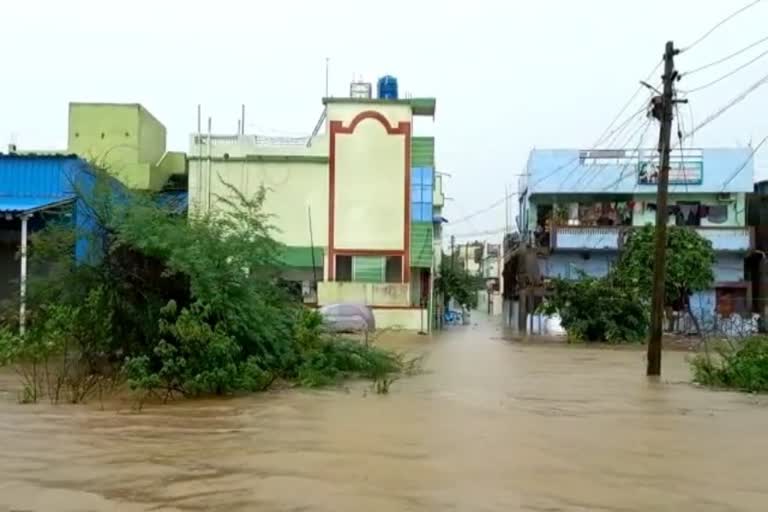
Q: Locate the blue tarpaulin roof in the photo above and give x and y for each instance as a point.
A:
(174, 201)
(31, 204)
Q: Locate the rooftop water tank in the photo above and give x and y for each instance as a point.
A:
(387, 88)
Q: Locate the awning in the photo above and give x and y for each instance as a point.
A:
(300, 257)
(31, 204)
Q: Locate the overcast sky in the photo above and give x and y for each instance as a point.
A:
(507, 76)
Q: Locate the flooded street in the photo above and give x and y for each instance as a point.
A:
(490, 425)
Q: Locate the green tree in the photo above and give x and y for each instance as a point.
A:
(690, 258)
(596, 309)
(615, 308)
(454, 282)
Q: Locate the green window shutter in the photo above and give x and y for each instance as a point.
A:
(423, 152)
(421, 244)
(368, 269)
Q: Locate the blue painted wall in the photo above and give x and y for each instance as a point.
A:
(558, 171)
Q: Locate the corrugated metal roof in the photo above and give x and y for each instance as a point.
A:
(38, 176)
(18, 205)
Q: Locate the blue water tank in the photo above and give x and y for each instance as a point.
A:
(387, 88)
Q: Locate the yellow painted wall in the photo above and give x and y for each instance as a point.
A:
(291, 187)
(151, 137)
(369, 193)
(372, 294)
(124, 138)
(406, 319)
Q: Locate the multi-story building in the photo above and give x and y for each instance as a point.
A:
(577, 206)
(354, 206)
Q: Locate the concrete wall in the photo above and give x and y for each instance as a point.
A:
(124, 138)
(370, 201)
(371, 294)
(407, 319)
(152, 137)
(292, 186)
(566, 265)
(728, 267)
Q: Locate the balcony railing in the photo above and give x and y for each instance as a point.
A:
(611, 238)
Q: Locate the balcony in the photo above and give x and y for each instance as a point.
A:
(735, 239)
(587, 238)
(610, 238)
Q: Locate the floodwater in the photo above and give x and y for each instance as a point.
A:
(491, 425)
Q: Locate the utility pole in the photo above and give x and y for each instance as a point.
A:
(453, 251)
(662, 109)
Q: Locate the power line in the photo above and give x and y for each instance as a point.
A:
(591, 172)
(629, 102)
(720, 24)
(728, 105)
(484, 210)
(727, 75)
(615, 132)
(623, 173)
(724, 59)
(749, 159)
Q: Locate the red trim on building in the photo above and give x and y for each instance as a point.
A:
(337, 127)
(368, 252)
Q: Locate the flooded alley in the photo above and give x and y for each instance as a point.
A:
(491, 425)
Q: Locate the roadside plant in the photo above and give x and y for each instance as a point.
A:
(176, 306)
(741, 365)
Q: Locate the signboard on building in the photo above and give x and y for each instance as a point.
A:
(680, 173)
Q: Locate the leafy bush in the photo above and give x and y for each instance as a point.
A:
(60, 356)
(177, 306)
(743, 367)
(593, 309)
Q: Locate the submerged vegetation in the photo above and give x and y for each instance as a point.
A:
(171, 305)
(740, 365)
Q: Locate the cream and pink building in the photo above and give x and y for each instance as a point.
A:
(355, 206)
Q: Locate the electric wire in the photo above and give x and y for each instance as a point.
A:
(740, 97)
(742, 166)
(727, 75)
(720, 24)
(608, 132)
(724, 59)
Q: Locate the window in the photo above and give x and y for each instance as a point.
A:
(688, 214)
(394, 269)
(368, 269)
(717, 214)
(343, 268)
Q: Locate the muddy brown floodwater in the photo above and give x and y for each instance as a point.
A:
(490, 426)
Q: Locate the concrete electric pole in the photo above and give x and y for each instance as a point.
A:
(662, 107)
